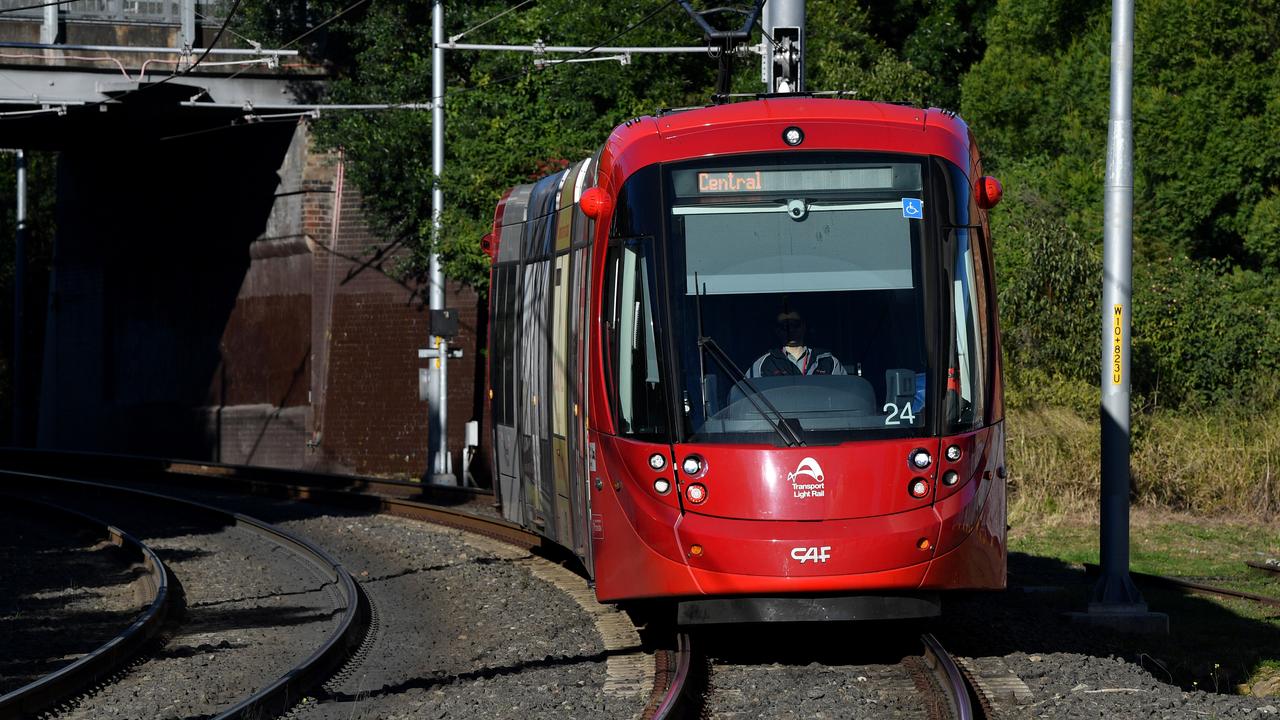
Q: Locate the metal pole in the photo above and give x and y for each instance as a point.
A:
(1115, 590)
(783, 69)
(187, 9)
(49, 25)
(19, 302)
(437, 388)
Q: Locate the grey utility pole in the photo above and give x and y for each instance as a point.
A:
(19, 306)
(1116, 600)
(439, 470)
(783, 64)
(1116, 586)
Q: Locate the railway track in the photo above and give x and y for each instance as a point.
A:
(652, 669)
(851, 671)
(1192, 586)
(209, 614)
(100, 662)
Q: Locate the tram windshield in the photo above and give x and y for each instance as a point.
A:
(793, 296)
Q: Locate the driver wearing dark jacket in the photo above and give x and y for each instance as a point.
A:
(794, 357)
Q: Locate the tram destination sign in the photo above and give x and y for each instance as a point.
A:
(740, 181)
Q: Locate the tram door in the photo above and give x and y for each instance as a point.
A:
(580, 255)
(506, 380)
(535, 370)
(560, 408)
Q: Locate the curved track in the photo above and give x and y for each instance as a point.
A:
(285, 690)
(66, 682)
(676, 672)
(953, 687)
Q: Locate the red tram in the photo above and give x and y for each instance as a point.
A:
(746, 358)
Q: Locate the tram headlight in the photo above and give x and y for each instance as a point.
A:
(950, 477)
(657, 461)
(662, 486)
(693, 465)
(953, 453)
(918, 488)
(920, 458)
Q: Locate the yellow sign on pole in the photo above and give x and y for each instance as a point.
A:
(1117, 345)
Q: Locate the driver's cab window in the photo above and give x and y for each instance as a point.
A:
(640, 407)
(966, 393)
(797, 297)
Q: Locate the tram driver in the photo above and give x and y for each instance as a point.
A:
(793, 357)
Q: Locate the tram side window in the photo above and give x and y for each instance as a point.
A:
(504, 340)
(967, 371)
(639, 392)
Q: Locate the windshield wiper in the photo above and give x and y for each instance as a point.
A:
(786, 429)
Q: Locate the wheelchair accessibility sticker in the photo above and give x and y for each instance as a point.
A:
(913, 208)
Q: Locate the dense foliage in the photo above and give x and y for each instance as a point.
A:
(508, 122)
(1206, 111)
(1030, 76)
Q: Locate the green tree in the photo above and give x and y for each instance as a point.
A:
(1206, 96)
(1206, 180)
(507, 122)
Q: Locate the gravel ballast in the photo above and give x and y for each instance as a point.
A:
(63, 594)
(462, 631)
(466, 632)
(248, 611)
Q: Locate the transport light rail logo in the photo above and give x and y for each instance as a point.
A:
(819, 554)
(806, 480)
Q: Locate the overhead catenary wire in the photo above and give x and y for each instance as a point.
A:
(241, 122)
(594, 48)
(455, 38)
(252, 43)
(299, 38)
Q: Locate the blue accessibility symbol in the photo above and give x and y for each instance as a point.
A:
(913, 208)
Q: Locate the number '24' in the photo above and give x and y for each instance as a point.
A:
(897, 415)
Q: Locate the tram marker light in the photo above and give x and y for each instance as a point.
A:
(696, 493)
(793, 136)
(662, 486)
(695, 550)
(950, 477)
(989, 191)
(919, 488)
(596, 203)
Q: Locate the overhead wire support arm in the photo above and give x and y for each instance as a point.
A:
(713, 34)
(725, 42)
(540, 49)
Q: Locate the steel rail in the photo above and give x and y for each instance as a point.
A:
(282, 693)
(104, 465)
(71, 679)
(393, 497)
(676, 696)
(1192, 586)
(949, 677)
(1270, 567)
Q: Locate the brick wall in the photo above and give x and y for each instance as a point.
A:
(366, 329)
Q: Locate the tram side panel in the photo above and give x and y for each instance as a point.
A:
(505, 309)
(531, 386)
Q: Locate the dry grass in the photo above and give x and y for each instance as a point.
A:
(1207, 464)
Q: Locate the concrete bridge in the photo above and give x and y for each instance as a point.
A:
(216, 292)
(137, 67)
